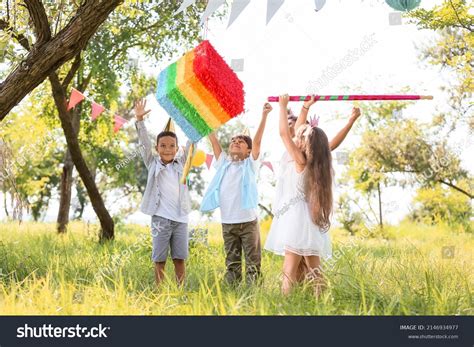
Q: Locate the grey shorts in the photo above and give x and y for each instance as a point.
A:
(168, 234)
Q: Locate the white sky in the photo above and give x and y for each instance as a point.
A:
(293, 51)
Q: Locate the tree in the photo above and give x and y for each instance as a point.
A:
(452, 51)
(398, 151)
(48, 52)
(129, 28)
(440, 205)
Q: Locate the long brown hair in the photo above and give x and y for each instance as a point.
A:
(318, 175)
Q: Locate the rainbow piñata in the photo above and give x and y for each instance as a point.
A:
(200, 92)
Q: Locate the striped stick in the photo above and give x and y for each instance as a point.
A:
(354, 97)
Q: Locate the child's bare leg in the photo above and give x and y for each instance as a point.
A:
(159, 272)
(179, 270)
(302, 271)
(290, 270)
(315, 274)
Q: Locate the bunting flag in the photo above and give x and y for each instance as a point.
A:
(237, 8)
(403, 5)
(272, 8)
(209, 159)
(118, 123)
(319, 4)
(268, 164)
(212, 6)
(76, 97)
(96, 110)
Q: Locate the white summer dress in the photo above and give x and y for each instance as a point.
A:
(292, 228)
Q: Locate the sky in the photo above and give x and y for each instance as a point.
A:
(302, 51)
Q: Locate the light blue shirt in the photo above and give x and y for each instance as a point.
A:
(248, 186)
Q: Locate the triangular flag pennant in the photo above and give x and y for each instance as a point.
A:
(96, 110)
(272, 8)
(268, 164)
(212, 7)
(209, 158)
(184, 5)
(118, 123)
(237, 7)
(319, 4)
(76, 97)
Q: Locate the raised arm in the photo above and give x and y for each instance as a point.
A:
(341, 135)
(216, 146)
(303, 117)
(291, 147)
(257, 140)
(143, 139)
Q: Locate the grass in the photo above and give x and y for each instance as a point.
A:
(401, 274)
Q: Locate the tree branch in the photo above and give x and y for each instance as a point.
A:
(40, 20)
(72, 71)
(49, 56)
(449, 184)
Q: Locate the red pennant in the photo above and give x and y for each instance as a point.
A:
(96, 110)
(209, 158)
(76, 97)
(268, 164)
(118, 123)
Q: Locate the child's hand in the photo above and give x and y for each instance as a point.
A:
(355, 114)
(267, 108)
(284, 99)
(139, 107)
(310, 102)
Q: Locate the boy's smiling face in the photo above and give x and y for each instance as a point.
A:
(167, 148)
(239, 148)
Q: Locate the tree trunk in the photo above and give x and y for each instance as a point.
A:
(380, 206)
(65, 191)
(48, 54)
(65, 194)
(106, 222)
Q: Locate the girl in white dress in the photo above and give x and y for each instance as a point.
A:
(303, 203)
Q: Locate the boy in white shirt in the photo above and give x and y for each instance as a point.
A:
(234, 190)
(165, 198)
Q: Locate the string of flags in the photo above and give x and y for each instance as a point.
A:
(96, 109)
(273, 6)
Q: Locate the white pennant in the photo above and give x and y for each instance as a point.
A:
(212, 7)
(184, 5)
(272, 8)
(237, 7)
(319, 4)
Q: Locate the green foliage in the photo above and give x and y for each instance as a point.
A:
(439, 205)
(453, 51)
(33, 168)
(351, 219)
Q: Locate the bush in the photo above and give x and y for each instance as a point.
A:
(438, 205)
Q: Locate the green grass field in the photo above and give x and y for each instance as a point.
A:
(401, 274)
